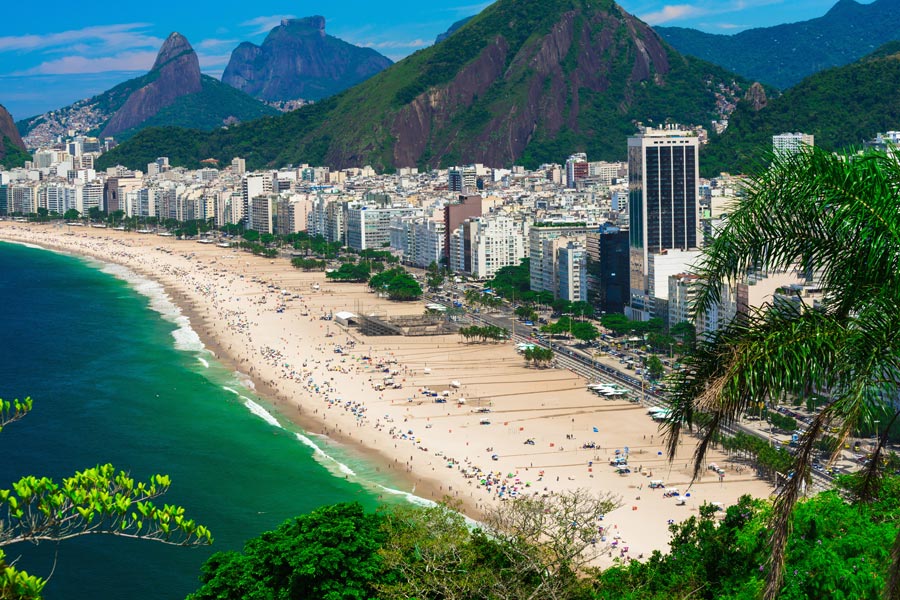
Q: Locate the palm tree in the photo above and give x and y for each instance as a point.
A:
(835, 216)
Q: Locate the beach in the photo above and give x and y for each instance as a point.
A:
(518, 430)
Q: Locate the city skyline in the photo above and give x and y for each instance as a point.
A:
(65, 56)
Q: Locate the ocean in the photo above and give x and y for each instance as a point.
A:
(117, 375)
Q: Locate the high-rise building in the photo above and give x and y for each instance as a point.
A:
(253, 185)
(262, 213)
(791, 143)
(369, 227)
(462, 180)
(543, 256)
(483, 245)
(577, 169)
(608, 270)
(238, 165)
(663, 178)
(455, 213)
(571, 272)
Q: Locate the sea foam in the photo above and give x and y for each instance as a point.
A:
(186, 339)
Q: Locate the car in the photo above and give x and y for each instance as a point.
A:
(529, 323)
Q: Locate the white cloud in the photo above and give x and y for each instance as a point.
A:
(677, 12)
(213, 43)
(101, 38)
(673, 12)
(213, 61)
(417, 43)
(69, 65)
(264, 24)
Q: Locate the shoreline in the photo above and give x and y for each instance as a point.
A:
(229, 299)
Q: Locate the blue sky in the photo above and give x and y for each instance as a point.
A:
(57, 52)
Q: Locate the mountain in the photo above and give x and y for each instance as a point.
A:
(175, 73)
(783, 55)
(525, 81)
(842, 107)
(12, 148)
(173, 92)
(451, 30)
(299, 60)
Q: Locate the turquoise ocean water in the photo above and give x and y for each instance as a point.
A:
(116, 376)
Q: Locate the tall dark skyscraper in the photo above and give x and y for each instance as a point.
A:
(663, 175)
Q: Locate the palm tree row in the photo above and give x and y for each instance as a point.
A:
(484, 333)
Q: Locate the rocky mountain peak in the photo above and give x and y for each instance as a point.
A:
(299, 60)
(175, 46)
(177, 71)
(315, 23)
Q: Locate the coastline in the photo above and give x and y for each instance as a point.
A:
(230, 297)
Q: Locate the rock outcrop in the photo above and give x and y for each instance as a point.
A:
(756, 96)
(298, 60)
(175, 73)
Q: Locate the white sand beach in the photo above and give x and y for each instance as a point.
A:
(263, 318)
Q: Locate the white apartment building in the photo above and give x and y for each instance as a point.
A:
(791, 143)
(369, 227)
(543, 258)
(683, 289)
(483, 245)
(571, 272)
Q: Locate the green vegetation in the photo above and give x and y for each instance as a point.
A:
(542, 547)
(329, 553)
(527, 548)
(484, 333)
(397, 284)
(513, 282)
(785, 54)
(308, 264)
(99, 500)
(837, 214)
(358, 272)
(842, 107)
(837, 549)
(538, 355)
(655, 368)
(12, 155)
(435, 277)
(206, 110)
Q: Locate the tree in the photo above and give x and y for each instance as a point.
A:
(434, 555)
(397, 284)
(331, 553)
(526, 313)
(71, 215)
(655, 369)
(549, 540)
(435, 276)
(584, 331)
(538, 355)
(686, 332)
(94, 501)
(94, 213)
(836, 217)
(581, 309)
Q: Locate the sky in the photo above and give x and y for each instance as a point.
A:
(61, 52)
